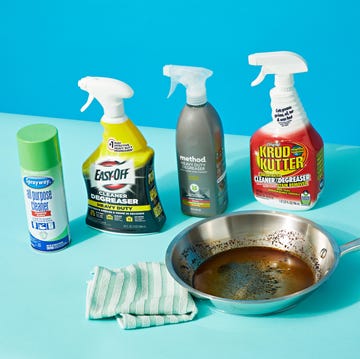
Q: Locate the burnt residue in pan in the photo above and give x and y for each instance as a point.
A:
(256, 279)
(253, 273)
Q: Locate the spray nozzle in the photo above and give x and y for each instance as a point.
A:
(193, 78)
(283, 64)
(110, 94)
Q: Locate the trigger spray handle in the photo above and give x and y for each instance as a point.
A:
(282, 64)
(88, 103)
(109, 93)
(194, 80)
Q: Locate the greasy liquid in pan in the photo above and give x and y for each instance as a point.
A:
(253, 273)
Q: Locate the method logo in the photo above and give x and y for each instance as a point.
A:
(38, 182)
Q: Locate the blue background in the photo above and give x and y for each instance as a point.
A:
(47, 46)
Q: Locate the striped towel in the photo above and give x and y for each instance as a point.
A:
(138, 296)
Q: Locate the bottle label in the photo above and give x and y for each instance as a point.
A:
(195, 192)
(199, 193)
(122, 198)
(286, 171)
(46, 209)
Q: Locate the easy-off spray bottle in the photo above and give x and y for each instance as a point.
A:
(119, 175)
(199, 146)
(287, 154)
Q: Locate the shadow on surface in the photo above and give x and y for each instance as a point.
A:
(204, 308)
(239, 182)
(168, 189)
(341, 174)
(80, 231)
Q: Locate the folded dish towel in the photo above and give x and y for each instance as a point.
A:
(138, 296)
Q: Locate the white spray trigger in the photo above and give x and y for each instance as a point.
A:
(88, 103)
(109, 93)
(194, 80)
(260, 77)
(173, 84)
(282, 64)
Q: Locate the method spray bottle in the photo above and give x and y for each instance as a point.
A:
(287, 154)
(199, 146)
(119, 175)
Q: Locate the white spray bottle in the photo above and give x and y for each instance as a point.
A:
(199, 146)
(119, 175)
(287, 154)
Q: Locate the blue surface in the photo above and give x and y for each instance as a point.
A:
(46, 47)
(42, 302)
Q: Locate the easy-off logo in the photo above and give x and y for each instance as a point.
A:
(113, 175)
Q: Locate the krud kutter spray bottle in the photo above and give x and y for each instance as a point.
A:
(199, 146)
(119, 175)
(43, 185)
(287, 155)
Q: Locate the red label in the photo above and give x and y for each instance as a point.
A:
(288, 171)
(41, 214)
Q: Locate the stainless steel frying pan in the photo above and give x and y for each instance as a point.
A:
(293, 234)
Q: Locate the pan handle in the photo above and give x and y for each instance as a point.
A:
(350, 247)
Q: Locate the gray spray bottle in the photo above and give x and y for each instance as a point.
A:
(199, 146)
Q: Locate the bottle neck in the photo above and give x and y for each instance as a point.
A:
(287, 110)
(114, 120)
(195, 99)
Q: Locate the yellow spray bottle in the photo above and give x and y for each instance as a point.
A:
(119, 175)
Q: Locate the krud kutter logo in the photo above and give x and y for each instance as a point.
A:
(112, 175)
(281, 158)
